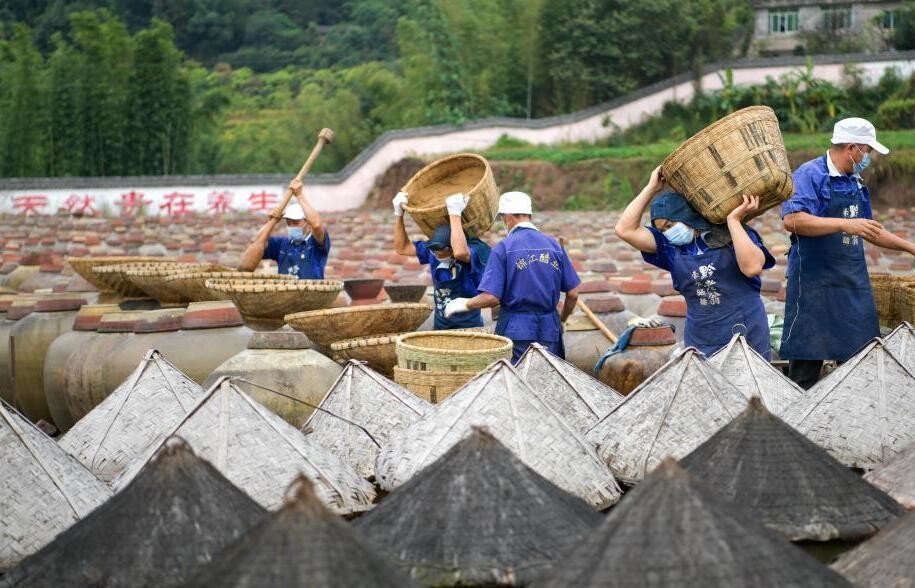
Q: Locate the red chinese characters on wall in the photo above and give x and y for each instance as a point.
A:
(132, 203)
(77, 204)
(177, 204)
(30, 204)
(262, 201)
(220, 201)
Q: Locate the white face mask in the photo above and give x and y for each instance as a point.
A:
(679, 234)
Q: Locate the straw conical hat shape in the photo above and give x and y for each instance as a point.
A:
(752, 375)
(668, 415)
(575, 395)
(789, 483)
(896, 476)
(358, 414)
(884, 560)
(43, 489)
(301, 544)
(175, 515)
(504, 403)
(863, 413)
(671, 532)
(901, 342)
(136, 417)
(261, 453)
(477, 516)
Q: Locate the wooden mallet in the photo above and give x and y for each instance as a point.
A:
(324, 137)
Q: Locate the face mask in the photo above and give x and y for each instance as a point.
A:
(679, 234)
(444, 263)
(861, 165)
(296, 233)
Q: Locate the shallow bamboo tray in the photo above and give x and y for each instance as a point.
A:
(378, 351)
(273, 299)
(431, 386)
(192, 285)
(84, 266)
(325, 327)
(465, 172)
(115, 275)
(152, 280)
(742, 153)
(451, 351)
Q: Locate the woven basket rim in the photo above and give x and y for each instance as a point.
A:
(236, 286)
(355, 310)
(506, 343)
(157, 270)
(365, 341)
(196, 275)
(430, 166)
(697, 141)
(123, 268)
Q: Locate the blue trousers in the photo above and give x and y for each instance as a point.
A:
(554, 347)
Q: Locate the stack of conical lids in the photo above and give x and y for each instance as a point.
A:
(863, 413)
(575, 395)
(43, 490)
(478, 516)
(134, 419)
(791, 485)
(750, 373)
(885, 560)
(302, 544)
(516, 415)
(901, 342)
(176, 515)
(261, 453)
(671, 413)
(670, 531)
(896, 476)
(359, 413)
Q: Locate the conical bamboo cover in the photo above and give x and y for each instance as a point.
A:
(516, 415)
(896, 476)
(358, 415)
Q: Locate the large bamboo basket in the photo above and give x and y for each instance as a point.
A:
(152, 279)
(115, 275)
(905, 303)
(273, 299)
(451, 351)
(326, 327)
(192, 285)
(85, 267)
(431, 386)
(743, 153)
(378, 351)
(464, 172)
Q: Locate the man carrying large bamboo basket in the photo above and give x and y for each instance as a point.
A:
(526, 272)
(303, 251)
(830, 311)
(456, 262)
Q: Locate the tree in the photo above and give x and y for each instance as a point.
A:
(904, 37)
(23, 112)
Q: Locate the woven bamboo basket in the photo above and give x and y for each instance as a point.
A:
(464, 172)
(115, 275)
(192, 285)
(326, 327)
(378, 351)
(431, 386)
(905, 303)
(152, 280)
(273, 299)
(743, 153)
(84, 266)
(451, 351)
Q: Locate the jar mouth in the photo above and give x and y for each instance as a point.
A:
(211, 315)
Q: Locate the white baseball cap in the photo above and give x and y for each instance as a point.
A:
(294, 212)
(857, 130)
(515, 203)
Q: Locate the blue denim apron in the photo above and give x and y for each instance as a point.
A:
(720, 301)
(829, 308)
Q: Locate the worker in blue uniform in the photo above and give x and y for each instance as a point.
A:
(525, 275)
(456, 262)
(303, 251)
(715, 267)
(829, 310)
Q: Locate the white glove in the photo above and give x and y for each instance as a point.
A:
(455, 306)
(456, 203)
(645, 323)
(398, 203)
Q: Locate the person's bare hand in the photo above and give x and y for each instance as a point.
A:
(656, 182)
(276, 213)
(296, 186)
(862, 227)
(749, 204)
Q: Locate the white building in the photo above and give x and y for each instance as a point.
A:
(786, 26)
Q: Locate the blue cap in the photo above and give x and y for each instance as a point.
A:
(440, 239)
(674, 207)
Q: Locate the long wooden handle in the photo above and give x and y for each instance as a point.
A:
(580, 304)
(324, 137)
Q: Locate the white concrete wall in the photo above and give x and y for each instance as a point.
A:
(350, 190)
